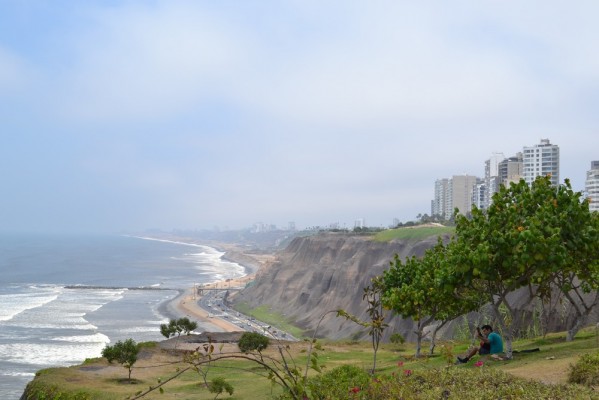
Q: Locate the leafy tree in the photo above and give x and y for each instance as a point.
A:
(579, 232)
(178, 326)
(124, 353)
(414, 289)
(529, 238)
(252, 341)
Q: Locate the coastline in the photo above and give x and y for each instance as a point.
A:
(185, 304)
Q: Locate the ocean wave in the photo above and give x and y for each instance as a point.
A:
(173, 242)
(15, 304)
(17, 374)
(95, 338)
(45, 354)
(65, 310)
(143, 329)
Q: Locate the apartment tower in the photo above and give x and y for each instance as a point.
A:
(591, 186)
(541, 160)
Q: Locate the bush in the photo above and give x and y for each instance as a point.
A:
(219, 385)
(350, 382)
(338, 382)
(466, 384)
(250, 341)
(585, 371)
(397, 338)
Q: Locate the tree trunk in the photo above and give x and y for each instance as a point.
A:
(434, 336)
(581, 315)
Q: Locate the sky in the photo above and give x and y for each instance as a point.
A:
(133, 115)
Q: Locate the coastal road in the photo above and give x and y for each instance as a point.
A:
(213, 302)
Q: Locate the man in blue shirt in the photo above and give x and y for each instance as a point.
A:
(490, 343)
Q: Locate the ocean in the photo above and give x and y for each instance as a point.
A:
(47, 321)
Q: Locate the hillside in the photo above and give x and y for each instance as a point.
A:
(317, 274)
(537, 375)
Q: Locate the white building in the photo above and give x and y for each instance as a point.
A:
(441, 204)
(541, 160)
(492, 180)
(591, 186)
(453, 193)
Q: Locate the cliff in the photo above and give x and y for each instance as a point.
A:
(326, 272)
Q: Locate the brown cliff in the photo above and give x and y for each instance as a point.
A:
(317, 274)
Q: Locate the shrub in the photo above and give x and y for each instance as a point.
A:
(250, 341)
(219, 385)
(397, 338)
(466, 384)
(338, 382)
(585, 371)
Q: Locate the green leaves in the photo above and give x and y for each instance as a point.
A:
(124, 353)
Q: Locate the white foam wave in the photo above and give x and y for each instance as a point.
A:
(95, 338)
(67, 310)
(142, 329)
(17, 374)
(15, 304)
(50, 354)
(173, 241)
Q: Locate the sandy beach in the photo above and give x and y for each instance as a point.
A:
(186, 304)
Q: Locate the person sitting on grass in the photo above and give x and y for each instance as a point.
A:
(490, 343)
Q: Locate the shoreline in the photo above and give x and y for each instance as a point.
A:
(185, 305)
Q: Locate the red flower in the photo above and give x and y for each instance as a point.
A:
(400, 364)
(355, 389)
(479, 364)
(407, 372)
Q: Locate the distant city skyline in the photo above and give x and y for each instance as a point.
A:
(464, 191)
(176, 114)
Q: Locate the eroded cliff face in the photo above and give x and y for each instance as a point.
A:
(317, 274)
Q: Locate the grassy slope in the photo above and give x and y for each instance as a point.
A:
(103, 381)
(413, 233)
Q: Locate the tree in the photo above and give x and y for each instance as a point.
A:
(252, 341)
(414, 289)
(373, 296)
(579, 283)
(528, 238)
(176, 327)
(124, 353)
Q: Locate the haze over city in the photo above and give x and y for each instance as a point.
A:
(192, 114)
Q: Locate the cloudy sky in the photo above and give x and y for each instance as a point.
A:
(127, 115)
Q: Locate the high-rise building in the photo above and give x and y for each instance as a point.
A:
(453, 193)
(591, 186)
(461, 192)
(541, 160)
(510, 169)
(492, 181)
(441, 204)
(480, 192)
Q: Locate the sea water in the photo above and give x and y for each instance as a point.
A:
(63, 298)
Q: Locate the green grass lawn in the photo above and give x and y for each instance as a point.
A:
(413, 233)
(265, 314)
(96, 379)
